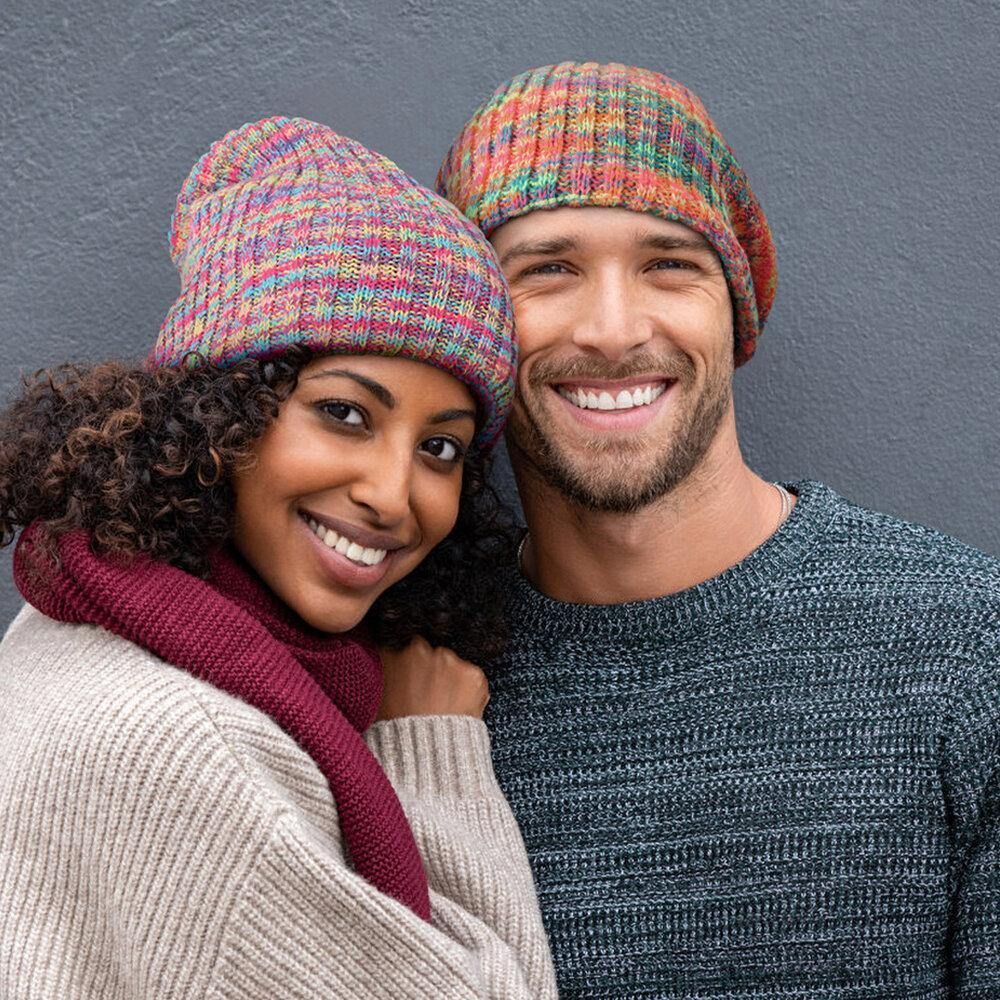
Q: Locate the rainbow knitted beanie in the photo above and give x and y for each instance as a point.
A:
(287, 233)
(615, 136)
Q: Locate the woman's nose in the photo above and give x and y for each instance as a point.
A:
(382, 484)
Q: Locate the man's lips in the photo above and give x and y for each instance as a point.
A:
(613, 384)
(613, 394)
(614, 405)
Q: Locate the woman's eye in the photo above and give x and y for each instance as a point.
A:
(344, 413)
(442, 448)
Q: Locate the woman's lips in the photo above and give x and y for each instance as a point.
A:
(365, 537)
(351, 565)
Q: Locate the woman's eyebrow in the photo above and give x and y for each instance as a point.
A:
(445, 415)
(379, 391)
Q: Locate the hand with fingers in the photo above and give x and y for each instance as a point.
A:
(421, 679)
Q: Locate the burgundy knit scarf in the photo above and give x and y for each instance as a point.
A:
(323, 690)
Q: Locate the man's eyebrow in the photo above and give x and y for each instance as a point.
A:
(535, 248)
(659, 241)
(379, 391)
(445, 415)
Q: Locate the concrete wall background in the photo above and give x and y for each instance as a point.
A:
(867, 128)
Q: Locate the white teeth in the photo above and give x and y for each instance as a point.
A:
(353, 551)
(626, 399)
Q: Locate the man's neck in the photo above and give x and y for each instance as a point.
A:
(710, 522)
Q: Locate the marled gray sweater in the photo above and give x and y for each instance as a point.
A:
(783, 783)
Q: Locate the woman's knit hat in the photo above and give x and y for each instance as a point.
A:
(615, 136)
(287, 233)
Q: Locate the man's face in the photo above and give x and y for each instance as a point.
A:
(625, 328)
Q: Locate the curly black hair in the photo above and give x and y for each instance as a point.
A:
(143, 460)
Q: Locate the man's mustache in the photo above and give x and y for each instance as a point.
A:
(670, 366)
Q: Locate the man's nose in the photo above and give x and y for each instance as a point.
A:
(610, 321)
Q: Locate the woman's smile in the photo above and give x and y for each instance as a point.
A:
(356, 480)
(357, 543)
(344, 557)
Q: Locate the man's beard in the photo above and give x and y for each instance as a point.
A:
(610, 475)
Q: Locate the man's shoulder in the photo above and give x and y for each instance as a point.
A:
(895, 583)
(863, 541)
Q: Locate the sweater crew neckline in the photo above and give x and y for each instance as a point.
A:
(765, 566)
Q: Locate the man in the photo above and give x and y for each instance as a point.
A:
(751, 731)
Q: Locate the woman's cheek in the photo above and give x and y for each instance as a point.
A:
(440, 506)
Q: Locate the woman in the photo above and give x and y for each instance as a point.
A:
(187, 805)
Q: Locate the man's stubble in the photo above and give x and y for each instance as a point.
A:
(611, 474)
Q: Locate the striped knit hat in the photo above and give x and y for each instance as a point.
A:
(615, 136)
(287, 233)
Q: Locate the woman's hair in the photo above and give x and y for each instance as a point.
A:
(143, 460)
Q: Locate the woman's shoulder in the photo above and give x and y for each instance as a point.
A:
(83, 684)
(84, 697)
(128, 787)
(58, 674)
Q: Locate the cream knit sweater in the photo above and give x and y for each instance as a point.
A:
(161, 839)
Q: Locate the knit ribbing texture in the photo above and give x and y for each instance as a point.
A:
(324, 690)
(782, 783)
(610, 135)
(161, 838)
(287, 233)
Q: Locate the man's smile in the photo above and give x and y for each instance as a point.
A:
(613, 395)
(628, 405)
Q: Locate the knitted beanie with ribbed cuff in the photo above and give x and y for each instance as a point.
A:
(287, 233)
(616, 136)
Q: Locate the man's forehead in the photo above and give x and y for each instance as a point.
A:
(568, 228)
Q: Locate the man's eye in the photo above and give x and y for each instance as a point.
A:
(670, 264)
(442, 448)
(344, 413)
(550, 268)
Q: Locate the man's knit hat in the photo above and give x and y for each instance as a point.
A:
(287, 233)
(615, 136)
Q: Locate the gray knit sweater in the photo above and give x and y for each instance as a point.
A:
(783, 783)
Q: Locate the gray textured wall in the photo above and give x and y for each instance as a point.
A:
(868, 130)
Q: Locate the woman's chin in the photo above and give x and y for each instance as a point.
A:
(321, 607)
(331, 614)
(320, 602)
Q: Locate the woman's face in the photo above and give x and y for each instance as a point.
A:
(356, 481)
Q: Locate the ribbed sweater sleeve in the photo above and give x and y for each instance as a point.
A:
(972, 789)
(486, 939)
(475, 859)
(160, 839)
